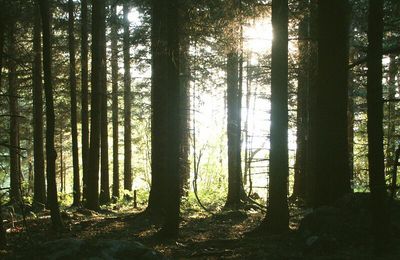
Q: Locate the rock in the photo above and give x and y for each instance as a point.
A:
(71, 248)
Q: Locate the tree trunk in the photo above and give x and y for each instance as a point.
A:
(159, 120)
(97, 81)
(84, 95)
(233, 132)
(277, 218)
(50, 118)
(74, 127)
(39, 184)
(302, 102)
(332, 157)
(114, 79)
(310, 174)
(170, 9)
(15, 173)
(185, 117)
(391, 128)
(104, 180)
(374, 125)
(127, 104)
(62, 186)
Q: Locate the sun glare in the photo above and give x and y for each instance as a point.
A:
(257, 35)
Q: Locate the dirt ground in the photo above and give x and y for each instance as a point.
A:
(202, 236)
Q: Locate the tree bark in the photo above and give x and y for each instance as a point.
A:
(84, 94)
(39, 186)
(74, 120)
(301, 122)
(233, 132)
(98, 68)
(185, 116)
(114, 79)
(127, 104)
(170, 9)
(50, 117)
(104, 180)
(310, 174)
(374, 125)
(277, 218)
(15, 173)
(332, 157)
(158, 110)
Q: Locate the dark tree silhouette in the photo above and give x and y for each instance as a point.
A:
(39, 183)
(84, 94)
(277, 218)
(166, 107)
(299, 187)
(15, 170)
(97, 81)
(375, 128)
(51, 154)
(114, 79)
(332, 157)
(127, 104)
(74, 120)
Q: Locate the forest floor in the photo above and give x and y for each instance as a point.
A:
(204, 236)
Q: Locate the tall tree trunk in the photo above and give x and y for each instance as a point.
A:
(233, 132)
(302, 102)
(185, 116)
(391, 128)
(74, 127)
(332, 158)
(159, 112)
(15, 174)
(39, 184)
(97, 80)
(310, 174)
(374, 125)
(104, 180)
(170, 9)
(277, 218)
(84, 94)
(127, 104)
(50, 118)
(114, 79)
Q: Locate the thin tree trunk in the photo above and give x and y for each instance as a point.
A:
(127, 104)
(15, 174)
(114, 79)
(391, 128)
(39, 184)
(185, 117)
(50, 117)
(104, 180)
(84, 94)
(374, 125)
(61, 161)
(277, 218)
(98, 68)
(74, 121)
